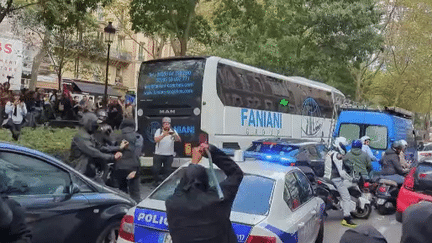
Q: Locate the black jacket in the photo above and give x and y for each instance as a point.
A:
(12, 222)
(83, 147)
(417, 223)
(129, 160)
(199, 216)
(391, 164)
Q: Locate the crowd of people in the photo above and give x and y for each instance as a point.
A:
(30, 108)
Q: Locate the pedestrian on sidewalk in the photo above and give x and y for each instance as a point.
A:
(16, 111)
(195, 213)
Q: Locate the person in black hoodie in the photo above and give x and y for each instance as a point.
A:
(126, 170)
(391, 166)
(417, 223)
(13, 228)
(195, 213)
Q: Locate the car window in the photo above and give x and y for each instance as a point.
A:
(82, 185)
(270, 147)
(322, 150)
(313, 153)
(26, 175)
(423, 177)
(291, 191)
(257, 202)
(305, 189)
(427, 148)
(349, 131)
(378, 135)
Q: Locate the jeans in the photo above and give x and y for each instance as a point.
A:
(158, 160)
(131, 186)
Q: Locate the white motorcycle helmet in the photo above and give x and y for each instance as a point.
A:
(404, 143)
(339, 144)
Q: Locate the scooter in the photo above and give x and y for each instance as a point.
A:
(386, 196)
(327, 191)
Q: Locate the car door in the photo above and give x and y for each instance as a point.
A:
(309, 201)
(43, 189)
(302, 206)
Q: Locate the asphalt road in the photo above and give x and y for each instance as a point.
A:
(386, 225)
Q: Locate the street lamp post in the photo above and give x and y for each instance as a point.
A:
(109, 38)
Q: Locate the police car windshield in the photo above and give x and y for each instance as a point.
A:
(272, 148)
(257, 202)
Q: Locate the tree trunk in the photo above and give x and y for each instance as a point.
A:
(183, 46)
(37, 61)
(358, 80)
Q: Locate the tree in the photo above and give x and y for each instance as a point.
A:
(175, 20)
(319, 39)
(406, 78)
(8, 7)
(56, 22)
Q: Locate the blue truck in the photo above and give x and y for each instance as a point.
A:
(382, 126)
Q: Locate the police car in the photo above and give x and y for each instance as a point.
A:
(274, 203)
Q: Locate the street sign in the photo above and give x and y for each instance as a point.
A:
(11, 61)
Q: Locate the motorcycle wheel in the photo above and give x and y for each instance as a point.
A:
(362, 214)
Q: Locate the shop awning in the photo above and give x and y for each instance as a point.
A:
(93, 88)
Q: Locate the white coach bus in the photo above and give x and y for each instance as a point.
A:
(227, 103)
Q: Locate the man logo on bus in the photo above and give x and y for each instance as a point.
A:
(151, 130)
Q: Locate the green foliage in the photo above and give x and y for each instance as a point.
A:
(406, 79)
(176, 20)
(317, 39)
(52, 141)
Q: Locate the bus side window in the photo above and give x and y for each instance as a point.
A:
(237, 100)
(268, 105)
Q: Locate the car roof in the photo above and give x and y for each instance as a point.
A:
(15, 147)
(288, 141)
(257, 167)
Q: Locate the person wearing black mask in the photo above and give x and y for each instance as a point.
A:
(13, 228)
(195, 213)
(84, 150)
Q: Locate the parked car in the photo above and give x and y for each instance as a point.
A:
(416, 187)
(62, 205)
(274, 204)
(303, 153)
(425, 152)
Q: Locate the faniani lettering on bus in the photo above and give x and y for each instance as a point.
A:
(257, 118)
(185, 129)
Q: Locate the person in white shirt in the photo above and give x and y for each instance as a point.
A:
(366, 141)
(16, 112)
(164, 152)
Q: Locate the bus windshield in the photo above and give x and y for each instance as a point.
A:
(171, 81)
